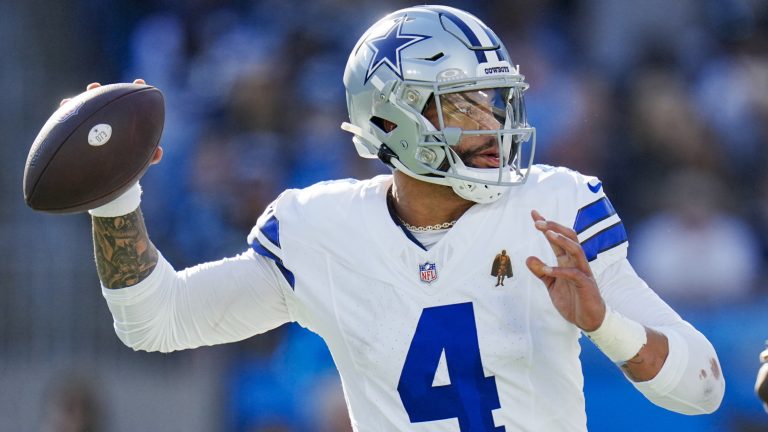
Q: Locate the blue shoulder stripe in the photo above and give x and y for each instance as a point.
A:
(606, 239)
(593, 213)
(271, 230)
(261, 250)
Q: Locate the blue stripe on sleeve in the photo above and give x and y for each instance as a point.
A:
(593, 213)
(271, 230)
(604, 240)
(261, 250)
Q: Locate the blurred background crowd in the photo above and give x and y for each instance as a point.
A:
(665, 100)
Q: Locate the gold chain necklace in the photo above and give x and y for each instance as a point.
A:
(409, 227)
(435, 227)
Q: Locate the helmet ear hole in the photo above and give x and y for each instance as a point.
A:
(385, 125)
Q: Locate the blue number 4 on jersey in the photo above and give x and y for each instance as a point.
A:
(471, 396)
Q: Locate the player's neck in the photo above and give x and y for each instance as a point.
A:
(422, 204)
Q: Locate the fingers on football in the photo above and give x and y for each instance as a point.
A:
(157, 156)
(94, 85)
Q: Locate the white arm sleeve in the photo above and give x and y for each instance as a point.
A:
(217, 302)
(691, 381)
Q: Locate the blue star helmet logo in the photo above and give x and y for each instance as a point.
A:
(386, 49)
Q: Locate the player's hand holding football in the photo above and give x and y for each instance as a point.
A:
(571, 286)
(159, 151)
(124, 254)
(94, 149)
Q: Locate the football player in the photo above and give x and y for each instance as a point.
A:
(392, 271)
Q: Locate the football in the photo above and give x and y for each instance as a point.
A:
(93, 148)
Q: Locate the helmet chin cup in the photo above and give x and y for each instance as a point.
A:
(481, 193)
(477, 192)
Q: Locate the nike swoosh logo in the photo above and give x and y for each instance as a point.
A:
(595, 188)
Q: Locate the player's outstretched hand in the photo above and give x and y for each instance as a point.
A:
(761, 383)
(159, 151)
(571, 286)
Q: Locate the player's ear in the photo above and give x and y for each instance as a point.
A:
(387, 125)
(384, 124)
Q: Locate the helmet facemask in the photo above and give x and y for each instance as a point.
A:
(471, 136)
(443, 79)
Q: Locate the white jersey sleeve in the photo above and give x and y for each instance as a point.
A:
(264, 238)
(598, 227)
(579, 202)
(691, 380)
(213, 303)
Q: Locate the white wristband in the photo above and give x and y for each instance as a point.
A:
(126, 203)
(618, 337)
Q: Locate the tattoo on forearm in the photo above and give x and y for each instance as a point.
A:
(124, 254)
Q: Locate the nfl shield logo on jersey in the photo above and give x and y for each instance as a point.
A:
(428, 272)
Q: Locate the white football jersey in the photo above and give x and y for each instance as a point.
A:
(430, 340)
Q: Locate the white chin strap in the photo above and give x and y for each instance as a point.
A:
(479, 192)
(469, 190)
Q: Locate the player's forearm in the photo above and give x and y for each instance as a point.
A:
(690, 380)
(124, 254)
(679, 369)
(649, 361)
(222, 301)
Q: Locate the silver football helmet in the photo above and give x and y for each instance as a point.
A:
(431, 92)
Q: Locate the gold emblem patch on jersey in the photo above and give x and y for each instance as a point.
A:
(502, 267)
